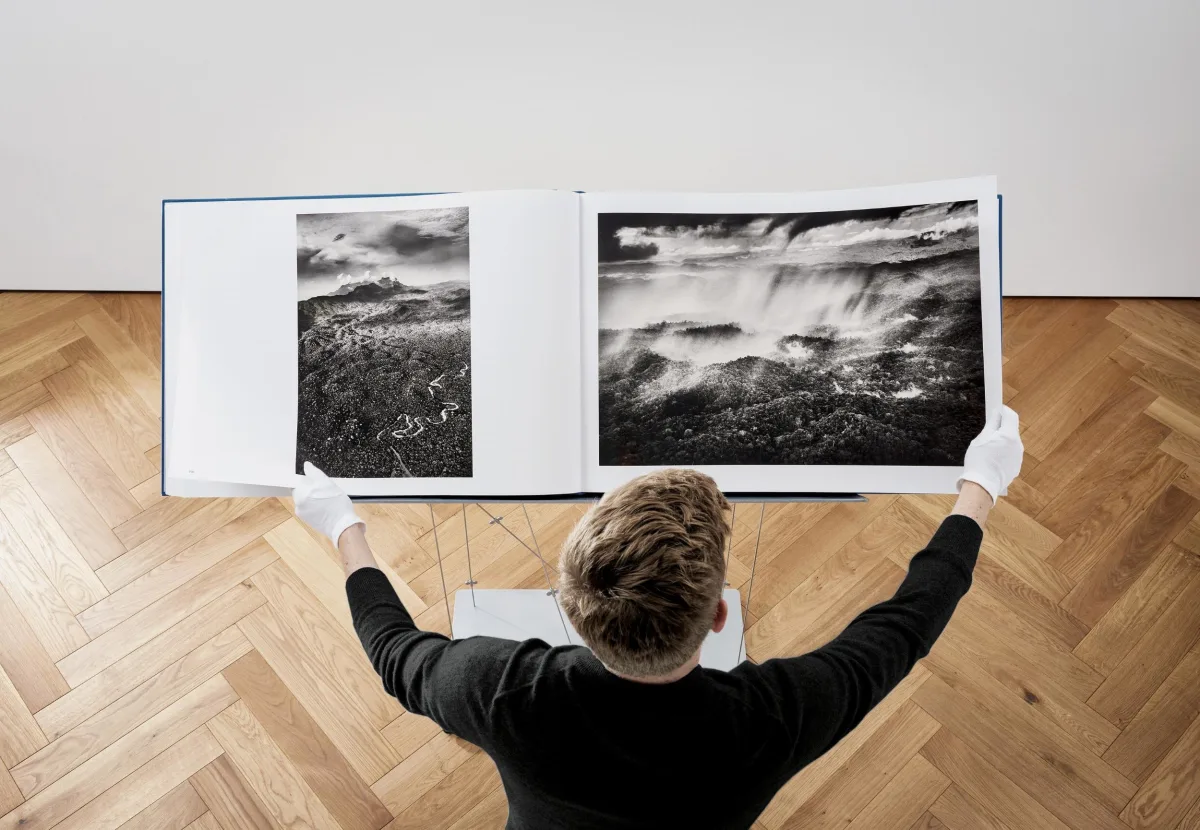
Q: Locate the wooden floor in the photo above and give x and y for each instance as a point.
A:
(189, 663)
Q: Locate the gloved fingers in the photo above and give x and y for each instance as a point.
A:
(313, 471)
(1009, 421)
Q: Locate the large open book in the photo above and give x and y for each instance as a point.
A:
(546, 343)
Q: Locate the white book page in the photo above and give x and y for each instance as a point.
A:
(791, 342)
(455, 313)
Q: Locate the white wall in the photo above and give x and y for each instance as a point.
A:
(1087, 111)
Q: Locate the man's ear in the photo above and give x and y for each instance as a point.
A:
(720, 617)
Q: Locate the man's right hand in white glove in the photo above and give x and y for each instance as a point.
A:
(324, 505)
(994, 457)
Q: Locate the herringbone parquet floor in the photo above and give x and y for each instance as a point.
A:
(171, 664)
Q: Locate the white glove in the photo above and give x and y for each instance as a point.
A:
(324, 505)
(994, 457)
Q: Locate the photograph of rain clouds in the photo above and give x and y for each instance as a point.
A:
(835, 337)
(384, 351)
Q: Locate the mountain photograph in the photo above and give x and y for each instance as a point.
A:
(384, 343)
(838, 337)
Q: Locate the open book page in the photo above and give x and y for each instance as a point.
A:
(415, 345)
(832, 342)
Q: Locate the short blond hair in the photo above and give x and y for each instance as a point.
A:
(642, 572)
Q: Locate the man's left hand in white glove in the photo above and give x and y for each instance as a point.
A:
(323, 505)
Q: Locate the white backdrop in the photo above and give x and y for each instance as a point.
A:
(1086, 111)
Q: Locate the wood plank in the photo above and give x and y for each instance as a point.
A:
(294, 731)
(115, 393)
(1012, 540)
(805, 784)
(1172, 788)
(281, 789)
(904, 799)
(112, 439)
(1075, 785)
(491, 812)
(79, 519)
(1138, 675)
(35, 596)
(1118, 564)
(135, 668)
(1025, 326)
(20, 736)
(312, 566)
(59, 559)
(452, 797)
(1159, 724)
(1169, 332)
(1109, 472)
(824, 589)
(16, 356)
(25, 660)
(149, 493)
(1099, 431)
(1082, 320)
(35, 329)
(1121, 509)
(954, 810)
(205, 822)
(154, 456)
(89, 780)
(76, 746)
(1044, 431)
(1182, 448)
(13, 430)
(140, 316)
(962, 661)
(20, 377)
(1131, 616)
(1165, 375)
(326, 672)
(410, 732)
(231, 801)
(172, 541)
(977, 779)
(1041, 396)
(18, 307)
(1178, 418)
(138, 370)
(10, 796)
(174, 811)
(170, 609)
(21, 402)
(419, 773)
(145, 785)
(164, 513)
(189, 563)
(837, 527)
(866, 773)
(79, 458)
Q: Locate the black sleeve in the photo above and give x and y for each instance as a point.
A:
(451, 681)
(825, 693)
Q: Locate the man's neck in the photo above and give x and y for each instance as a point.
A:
(658, 679)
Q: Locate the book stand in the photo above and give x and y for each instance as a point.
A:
(522, 614)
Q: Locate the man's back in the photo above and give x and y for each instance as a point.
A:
(579, 746)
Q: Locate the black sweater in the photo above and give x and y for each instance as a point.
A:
(578, 747)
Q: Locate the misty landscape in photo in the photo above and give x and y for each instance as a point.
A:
(838, 337)
(384, 348)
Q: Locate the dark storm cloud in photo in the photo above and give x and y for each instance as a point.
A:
(834, 337)
(384, 347)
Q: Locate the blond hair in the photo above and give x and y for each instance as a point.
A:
(643, 571)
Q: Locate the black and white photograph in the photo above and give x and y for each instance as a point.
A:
(849, 337)
(384, 349)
